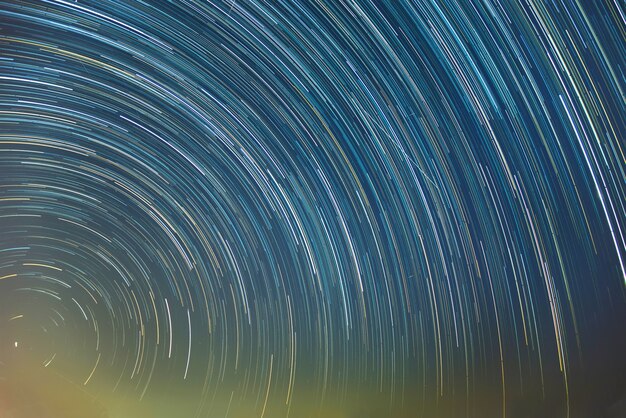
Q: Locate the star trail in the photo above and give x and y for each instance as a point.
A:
(272, 208)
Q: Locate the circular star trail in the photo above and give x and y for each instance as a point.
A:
(314, 208)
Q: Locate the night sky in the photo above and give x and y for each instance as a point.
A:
(325, 208)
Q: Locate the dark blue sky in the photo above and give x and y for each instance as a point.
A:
(314, 208)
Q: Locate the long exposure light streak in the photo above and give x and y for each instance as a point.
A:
(312, 208)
